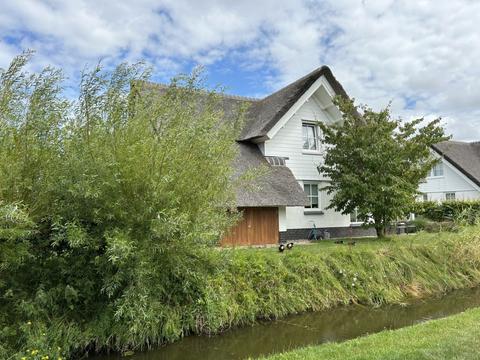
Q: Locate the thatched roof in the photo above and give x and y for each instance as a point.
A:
(265, 113)
(278, 186)
(465, 156)
(272, 186)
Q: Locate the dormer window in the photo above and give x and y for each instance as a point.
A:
(310, 136)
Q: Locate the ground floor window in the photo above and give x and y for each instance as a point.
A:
(425, 197)
(354, 216)
(312, 193)
(450, 196)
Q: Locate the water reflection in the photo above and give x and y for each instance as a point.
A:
(338, 324)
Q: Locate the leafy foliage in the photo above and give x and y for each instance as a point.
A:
(240, 286)
(376, 163)
(107, 203)
(463, 211)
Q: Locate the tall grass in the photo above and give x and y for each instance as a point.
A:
(265, 284)
(236, 287)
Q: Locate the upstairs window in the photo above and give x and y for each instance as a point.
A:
(312, 193)
(310, 134)
(450, 196)
(437, 170)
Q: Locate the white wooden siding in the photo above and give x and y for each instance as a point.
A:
(288, 142)
(451, 181)
(300, 218)
(282, 218)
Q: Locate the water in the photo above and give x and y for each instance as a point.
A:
(313, 328)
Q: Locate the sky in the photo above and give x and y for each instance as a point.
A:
(422, 56)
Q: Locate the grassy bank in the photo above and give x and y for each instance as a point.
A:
(254, 283)
(231, 287)
(455, 337)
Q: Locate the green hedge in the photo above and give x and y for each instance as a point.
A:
(452, 210)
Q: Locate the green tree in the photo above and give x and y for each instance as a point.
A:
(108, 203)
(376, 163)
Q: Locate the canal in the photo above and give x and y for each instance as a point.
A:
(334, 325)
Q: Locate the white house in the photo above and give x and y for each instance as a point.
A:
(457, 175)
(280, 134)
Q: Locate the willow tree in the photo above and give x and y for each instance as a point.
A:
(375, 163)
(108, 204)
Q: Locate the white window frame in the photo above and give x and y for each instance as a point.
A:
(306, 123)
(310, 195)
(432, 172)
(450, 196)
(356, 218)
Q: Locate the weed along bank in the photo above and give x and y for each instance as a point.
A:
(325, 328)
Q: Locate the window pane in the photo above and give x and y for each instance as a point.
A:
(305, 136)
(438, 170)
(306, 188)
(314, 201)
(353, 217)
(309, 137)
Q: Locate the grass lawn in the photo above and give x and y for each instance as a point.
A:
(455, 337)
(364, 243)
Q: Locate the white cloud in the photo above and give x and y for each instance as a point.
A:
(422, 55)
(428, 51)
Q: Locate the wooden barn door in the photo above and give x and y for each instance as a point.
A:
(259, 226)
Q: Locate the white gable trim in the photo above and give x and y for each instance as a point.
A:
(323, 108)
(456, 171)
(321, 81)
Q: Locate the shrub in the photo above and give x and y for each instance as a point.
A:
(420, 223)
(431, 226)
(439, 226)
(235, 287)
(107, 204)
(451, 210)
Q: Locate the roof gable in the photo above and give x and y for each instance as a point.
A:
(463, 156)
(266, 113)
